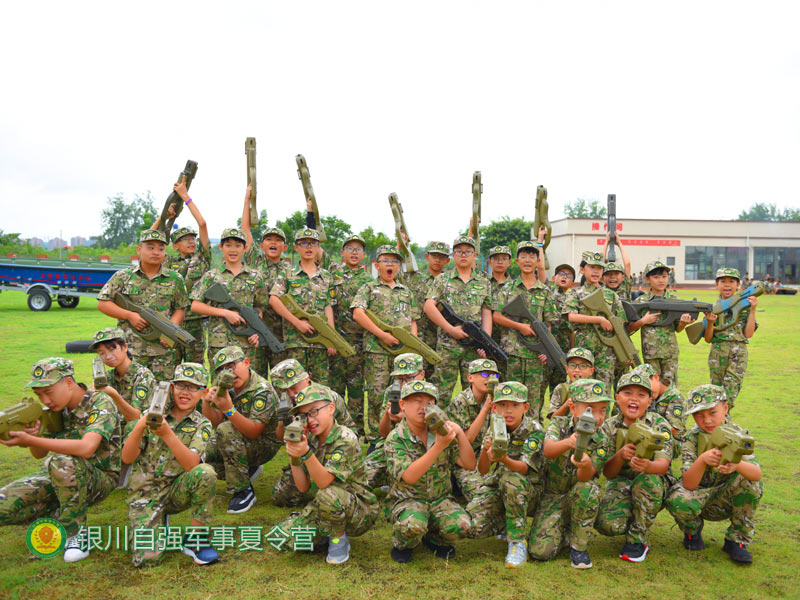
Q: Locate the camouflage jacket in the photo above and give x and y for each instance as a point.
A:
(136, 387)
(164, 293)
(463, 410)
(313, 294)
(538, 300)
(419, 283)
(585, 334)
(156, 467)
(258, 401)
(561, 473)
(191, 268)
(560, 328)
(711, 477)
(393, 305)
(347, 282)
(525, 443)
(558, 397)
(341, 457)
(256, 258)
(246, 287)
(614, 429)
(402, 448)
(659, 342)
(672, 406)
(624, 289)
(96, 412)
(466, 299)
(735, 333)
(499, 333)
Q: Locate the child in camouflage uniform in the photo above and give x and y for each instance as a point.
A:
(727, 359)
(617, 276)
(637, 486)
(245, 421)
(667, 402)
(515, 483)
(580, 365)
(420, 466)
(568, 506)
(327, 463)
(83, 466)
(499, 260)
(152, 284)
(562, 281)
(168, 474)
(710, 489)
(394, 304)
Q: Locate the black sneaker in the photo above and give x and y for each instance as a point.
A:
(242, 501)
(402, 556)
(738, 552)
(254, 472)
(634, 552)
(441, 551)
(580, 559)
(694, 541)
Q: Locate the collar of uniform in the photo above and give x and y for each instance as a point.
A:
(469, 396)
(193, 417)
(397, 284)
(298, 270)
(405, 431)
(246, 269)
(252, 383)
(473, 274)
(162, 269)
(517, 281)
(334, 434)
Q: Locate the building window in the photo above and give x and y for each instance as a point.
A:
(670, 261)
(782, 264)
(702, 262)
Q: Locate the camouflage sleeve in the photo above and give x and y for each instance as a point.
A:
(436, 289)
(115, 284)
(361, 297)
(199, 441)
(206, 281)
(265, 406)
(103, 416)
(554, 432)
(279, 287)
(251, 255)
(415, 310)
(661, 425)
(331, 290)
(457, 411)
(143, 387)
(572, 303)
(398, 458)
(550, 310)
(601, 452)
(345, 456)
(180, 300)
(532, 451)
(688, 451)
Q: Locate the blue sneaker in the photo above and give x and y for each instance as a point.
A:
(202, 556)
(338, 550)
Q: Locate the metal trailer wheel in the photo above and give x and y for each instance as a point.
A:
(68, 301)
(39, 300)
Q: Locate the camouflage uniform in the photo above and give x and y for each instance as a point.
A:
(498, 331)
(727, 359)
(671, 405)
(660, 344)
(562, 332)
(66, 485)
(561, 392)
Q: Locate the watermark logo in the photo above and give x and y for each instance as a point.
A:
(46, 538)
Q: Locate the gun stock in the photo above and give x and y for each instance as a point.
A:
(160, 328)
(541, 219)
(611, 253)
(189, 172)
(99, 373)
(408, 341)
(435, 419)
(401, 233)
(250, 153)
(308, 190)
(158, 406)
(477, 192)
(585, 429)
(324, 335)
(544, 342)
(253, 323)
(478, 338)
(620, 341)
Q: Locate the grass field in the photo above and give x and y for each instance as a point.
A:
(767, 406)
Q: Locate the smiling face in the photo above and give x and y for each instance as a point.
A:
(658, 279)
(319, 416)
(186, 245)
(633, 402)
(151, 252)
(273, 246)
(727, 286)
(436, 262)
(613, 279)
(185, 395)
(593, 273)
(527, 261)
(232, 250)
(413, 408)
(709, 419)
(512, 412)
(388, 266)
(579, 368)
(56, 396)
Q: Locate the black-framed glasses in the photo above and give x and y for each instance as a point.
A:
(575, 365)
(228, 366)
(183, 386)
(353, 249)
(566, 274)
(307, 243)
(463, 252)
(314, 411)
(389, 261)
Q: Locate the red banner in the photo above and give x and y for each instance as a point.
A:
(633, 242)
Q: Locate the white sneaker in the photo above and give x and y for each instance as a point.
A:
(73, 551)
(517, 554)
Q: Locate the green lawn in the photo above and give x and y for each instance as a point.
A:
(766, 406)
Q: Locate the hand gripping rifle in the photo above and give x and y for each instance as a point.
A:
(217, 293)
(544, 342)
(619, 339)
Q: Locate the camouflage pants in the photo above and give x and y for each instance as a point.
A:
(314, 359)
(469, 482)
(163, 365)
(147, 509)
(375, 466)
(347, 375)
(376, 375)
(197, 351)
(736, 499)
(563, 519)
(232, 453)
(455, 361)
(64, 489)
(530, 373)
(630, 506)
(503, 506)
(666, 368)
(443, 520)
(285, 492)
(334, 510)
(727, 362)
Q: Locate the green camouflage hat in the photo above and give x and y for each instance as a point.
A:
(152, 235)
(274, 231)
(705, 396)
(287, 373)
(233, 233)
(437, 248)
(407, 363)
(645, 370)
(652, 266)
(388, 249)
(191, 372)
(588, 391)
(302, 234)
(581, 353)
(354, 238)
(565, 266)
(49, 371)
(593, 258)
(728, 272)
(313, 393)
(418, 387)
(500, 250)
(526, 245)
(634, 378)
(106, 335)
(180, 232)
(510, 391)
(464, 239)
(612, 266)
(482, 364)
(227, 355)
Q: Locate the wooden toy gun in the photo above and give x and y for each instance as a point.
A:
(250, 152)
(25, 414)
(305, 178)
(408, 341)
(477, 191)
(540, 219)
(174, 200)
(544, 342)
(324, 334)
(401, 233)
(160, 327)
(158, 406)
(728, 310)
(619, 339)
(253, 323)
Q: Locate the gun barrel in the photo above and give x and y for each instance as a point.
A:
(158, 406)
(611, 253)
(250, 153)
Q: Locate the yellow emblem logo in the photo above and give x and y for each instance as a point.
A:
(300, 397)
(259, 404)
(601, 452)
(597, 389)
(290, 373)
(92, 417)
(189, 371)
(337, 455)
(46, 538)
(697, 398)
(418, 386)
(221, 358)
(507, 389)
(38, 372)
(636, 379)
(402, 364)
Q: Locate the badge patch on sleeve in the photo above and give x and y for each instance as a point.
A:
(92, 417)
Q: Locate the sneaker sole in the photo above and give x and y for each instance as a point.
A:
(243, 509)
(336, 561)
(513, 566)
(74, 560)
(197, 561)
(582, 566)
(637, 559)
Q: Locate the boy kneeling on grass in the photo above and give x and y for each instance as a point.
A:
(580, 365)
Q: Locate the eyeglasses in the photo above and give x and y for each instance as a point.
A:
(182, 386)
(226, 366)
(389, 261)
(354, 249)
(307, 243)
(405, 378)
(574, 365)
(501, 259)
(566, 274)
(313, 412)
(463, 252)
(487, 374)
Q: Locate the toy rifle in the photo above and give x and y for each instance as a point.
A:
(540, 219)
(619, 340)
(733, 442)
(253, 323)
(585, 429)
(401, 233)
(284, 406)
(174, 200)
(99, 373)
(25, 414)
(158, 407)
(477, 191)
(408, 341)
(393, 395)
(159, 327)
(435, 419)
(250, 152)
(324, 334)
(223, 382)
(497, 427)
(728, 310)
(647, 440)
(671, 310)
(544, 342)
(611, 253)
(294, 433)
(478, 338)
(305, 177)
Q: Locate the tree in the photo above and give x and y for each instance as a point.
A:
(336, 231)
(122, 220)
(505, 232)
(374, 239)
(257, 229)
(581, 209)
(10, 239)
(761, 211)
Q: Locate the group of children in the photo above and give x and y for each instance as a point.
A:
(549, 472)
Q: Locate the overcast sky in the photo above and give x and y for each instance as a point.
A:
(683, 109)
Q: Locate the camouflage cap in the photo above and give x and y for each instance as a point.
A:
(565, 266)
(302, 234)
(287, 373)
(581, 353)
(482, 364)
(645, 370)
(180, 232)
(705, 396)
(728, 272)
(49, 371)
(510, 391)
(593, 258)
(152, 235)
(227, 355)
(106, 335)
(418, 387)
(612, 266)
(313, 393)
(191, 372)
(634, 378)
(233, 233)
(464, 239)
(407, 363)
(274, 231)
(354, 238)
(500, 250)
(388, 249)
(528, 245)
(437, 248)
(655, 265)
(588, 391)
